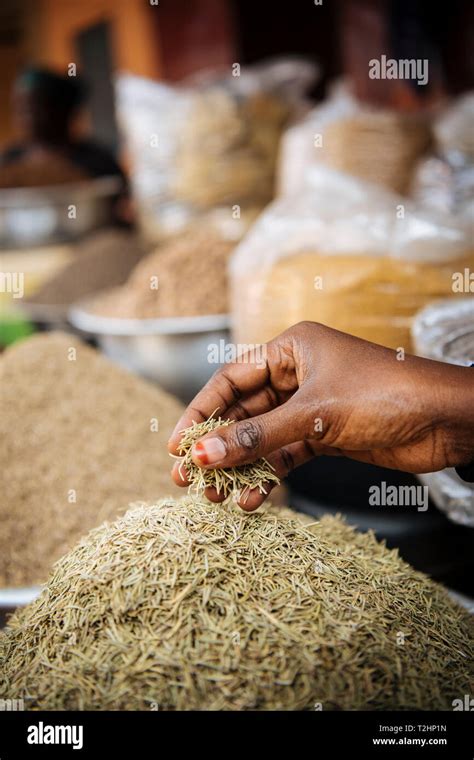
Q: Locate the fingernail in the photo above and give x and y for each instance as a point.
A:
(210, 451)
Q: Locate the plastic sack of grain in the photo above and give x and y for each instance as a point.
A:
(207, 147)
(374, 144)
(346, 253)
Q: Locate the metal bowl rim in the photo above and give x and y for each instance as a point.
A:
(83, 319)
(48, 195)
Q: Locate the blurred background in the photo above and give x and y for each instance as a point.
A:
(187, 175)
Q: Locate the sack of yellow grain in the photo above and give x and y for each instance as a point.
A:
(348, 254)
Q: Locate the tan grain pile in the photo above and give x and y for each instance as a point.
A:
(190, 605)
(104, 259)
(184, 278)
(77, 439)
(40, 171)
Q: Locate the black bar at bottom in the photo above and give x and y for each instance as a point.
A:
(144, 734)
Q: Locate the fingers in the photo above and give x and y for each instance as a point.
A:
(180, 478)
(283, 461)
(257, 403)
(247, 440)
(222, 391)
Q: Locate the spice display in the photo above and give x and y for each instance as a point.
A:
(184, 278)
(104, 259)
(80, 438)
(196, 606)
(235, 481)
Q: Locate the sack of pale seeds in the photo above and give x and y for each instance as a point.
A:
(348, 254)
(208, 145)
(188, 605)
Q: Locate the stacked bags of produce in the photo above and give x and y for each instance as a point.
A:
(346, 253)
(377, 145)
(207, 149)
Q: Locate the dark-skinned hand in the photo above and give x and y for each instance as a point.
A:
(320, 391)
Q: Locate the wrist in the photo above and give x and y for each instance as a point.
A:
(456, 401)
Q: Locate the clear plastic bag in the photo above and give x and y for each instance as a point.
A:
(445, 181)
(346, 253)
(445, 331)
(207, 145)
(374, 144)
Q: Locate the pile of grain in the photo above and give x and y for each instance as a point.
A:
(77, 439)
(40, 171)
(104, 259)
(189, 605)
(184, 278)
(228, 147)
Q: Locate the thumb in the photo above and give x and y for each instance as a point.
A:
(248, 440)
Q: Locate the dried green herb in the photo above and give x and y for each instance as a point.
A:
(192, 605)
(235, 481)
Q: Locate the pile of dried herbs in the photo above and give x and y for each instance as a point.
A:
(191, 605)
(235, 481)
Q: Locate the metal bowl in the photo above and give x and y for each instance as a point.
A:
(173, 352)
(40, 215)
(18, 597)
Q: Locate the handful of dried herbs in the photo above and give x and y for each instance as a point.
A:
(194, 606)
(235, 481)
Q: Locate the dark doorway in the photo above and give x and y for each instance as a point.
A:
(95, 58)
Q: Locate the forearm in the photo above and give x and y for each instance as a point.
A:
(452, 397)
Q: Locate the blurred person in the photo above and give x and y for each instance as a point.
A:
(45, 106)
